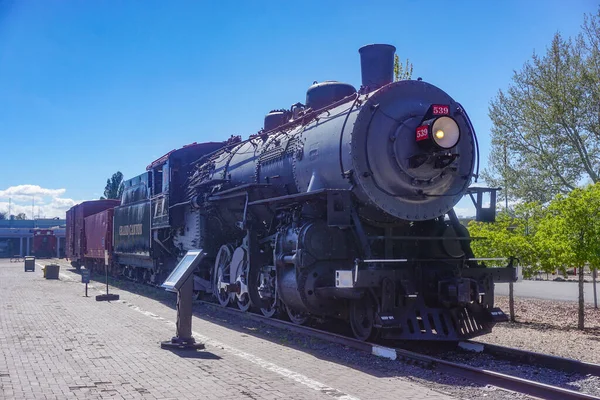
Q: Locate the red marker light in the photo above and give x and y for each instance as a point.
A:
(422, 132)
(440, 109)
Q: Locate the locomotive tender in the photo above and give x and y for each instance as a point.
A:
(341, 207)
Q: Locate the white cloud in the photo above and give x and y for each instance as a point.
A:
(64, 202)
(48, 203)
(27, 192)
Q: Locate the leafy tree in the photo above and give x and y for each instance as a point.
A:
(569, 234)
(546, 125)
(402, 72)
(3, 215)
(21, 216)
(513, 234)
(114, 187)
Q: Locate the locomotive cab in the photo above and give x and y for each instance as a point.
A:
(167, 176)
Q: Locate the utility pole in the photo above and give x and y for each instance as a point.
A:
(511, 288)
(505, 179)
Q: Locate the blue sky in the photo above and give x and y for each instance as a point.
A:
(91, 87)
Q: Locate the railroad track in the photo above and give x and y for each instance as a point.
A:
(544, 360)
(479, 375)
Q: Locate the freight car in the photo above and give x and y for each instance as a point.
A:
(76, 228)
(98, 230)
(44, 243)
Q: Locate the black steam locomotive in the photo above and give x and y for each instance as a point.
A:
(341, 207)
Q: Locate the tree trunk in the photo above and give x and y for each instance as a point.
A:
(594, 275)
(511, 301)
(581, 315)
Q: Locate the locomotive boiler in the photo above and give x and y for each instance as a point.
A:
(342, 207)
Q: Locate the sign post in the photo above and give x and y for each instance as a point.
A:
(181, 281)
(107, 296)
(85, 278)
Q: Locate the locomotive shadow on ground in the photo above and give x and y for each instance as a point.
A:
(332, 352)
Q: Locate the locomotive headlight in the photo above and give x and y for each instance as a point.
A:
(442, 132)
(446, 133)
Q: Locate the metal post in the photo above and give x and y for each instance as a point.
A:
(86, 295)
(28, 253)
(184, 310)
(184, 339)
(595, 275)
(107, 296)
(511, 301)
(581, 308)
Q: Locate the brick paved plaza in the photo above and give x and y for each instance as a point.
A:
(57, 344)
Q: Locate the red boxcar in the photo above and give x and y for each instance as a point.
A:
(98, 234)
(75, 233)
(44, 243)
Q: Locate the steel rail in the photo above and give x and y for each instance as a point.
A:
(481, 376)
(545, 360)
(488, 377)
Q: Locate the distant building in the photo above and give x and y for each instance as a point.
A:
(16, 236)
(33, 223)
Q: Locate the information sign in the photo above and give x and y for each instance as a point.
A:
(85, 275)
(183, 270)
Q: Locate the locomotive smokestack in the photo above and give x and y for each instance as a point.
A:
(377, 65)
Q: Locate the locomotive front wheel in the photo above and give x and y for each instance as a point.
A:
(243, 302)
(362, 318)
(297, 318)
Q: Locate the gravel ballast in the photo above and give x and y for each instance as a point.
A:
(548, 327)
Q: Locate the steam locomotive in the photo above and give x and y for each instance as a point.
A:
(339, 208)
